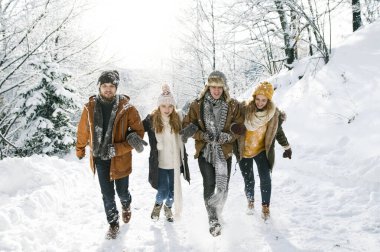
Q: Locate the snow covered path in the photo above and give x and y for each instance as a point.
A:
(51, 204)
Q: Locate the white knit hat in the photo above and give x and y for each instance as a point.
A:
(166, 96)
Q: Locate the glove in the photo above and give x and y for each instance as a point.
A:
(238, 129)
(111, 151)
(188, 132)
(207, 136)
(287, 154)
(283, 116)
(136, 142)
(224, 138)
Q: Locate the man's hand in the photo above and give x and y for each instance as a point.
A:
(188, 132)
(224, 138)
(136, 142)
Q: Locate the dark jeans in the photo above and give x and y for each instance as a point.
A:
(108, 190)
(208, 175)
(165, 190)
(246, 168)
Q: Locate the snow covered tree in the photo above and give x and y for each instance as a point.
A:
(45, 111)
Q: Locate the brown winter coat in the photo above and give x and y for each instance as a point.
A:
(126, 117)
(274, 132)
(195, 116)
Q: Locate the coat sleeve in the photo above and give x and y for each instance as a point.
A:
(135, 124)
(83, 133)
(280, 135)
(238, 117)
(192, 117)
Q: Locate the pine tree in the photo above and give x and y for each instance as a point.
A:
(46, 110)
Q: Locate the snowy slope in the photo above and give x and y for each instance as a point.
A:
(327, 198)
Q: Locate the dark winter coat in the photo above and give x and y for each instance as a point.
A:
(153, 157)
(126, 117)
(274, 132)
(195, 116)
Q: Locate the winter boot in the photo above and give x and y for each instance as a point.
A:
(126, 214)
(156, 212)
(113, 231)
(168, 213)
(251, 206)
(215, 228)
(265, 212)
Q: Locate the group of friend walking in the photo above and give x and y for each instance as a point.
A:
(221, 127)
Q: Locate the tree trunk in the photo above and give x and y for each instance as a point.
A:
(289, 51)
(356, 16)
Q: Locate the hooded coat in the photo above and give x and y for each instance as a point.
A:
(126, 117)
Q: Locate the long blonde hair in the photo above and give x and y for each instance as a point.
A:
(158, 125)
(251, 109)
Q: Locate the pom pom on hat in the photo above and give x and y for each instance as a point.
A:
(166, 96)
(264, 88)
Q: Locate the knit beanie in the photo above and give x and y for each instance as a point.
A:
(166, 96)
(109, 76)
(264, 88)
(216, 79)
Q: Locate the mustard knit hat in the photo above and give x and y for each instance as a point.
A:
(264, 88)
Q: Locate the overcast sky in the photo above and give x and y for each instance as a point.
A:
(140, 32)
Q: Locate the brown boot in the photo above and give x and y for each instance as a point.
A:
(126, 214)
(168, 213)
(251, 206)
(156, 212)
(113, 231)
(265, 212)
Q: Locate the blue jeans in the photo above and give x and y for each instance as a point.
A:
(246, 168)
(108, 190)
(165, 190)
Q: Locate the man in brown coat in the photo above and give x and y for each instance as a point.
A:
(208, 121)
(104, 125)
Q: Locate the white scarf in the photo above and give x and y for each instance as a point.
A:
(259, 118)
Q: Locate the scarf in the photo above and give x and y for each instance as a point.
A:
(100, 144)
(213, 152)
(260, 118)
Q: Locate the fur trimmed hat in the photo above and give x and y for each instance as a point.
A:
(166, 96)
(264, 88)
(109, 76)
(216, 79)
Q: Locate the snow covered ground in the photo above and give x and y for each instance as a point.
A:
(326, 198)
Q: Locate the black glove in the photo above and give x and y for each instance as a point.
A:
(111, 151)
(207, 136)
(136, 142)
(287, 154)
(238, 129)
(224, 138)
(188, 132)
